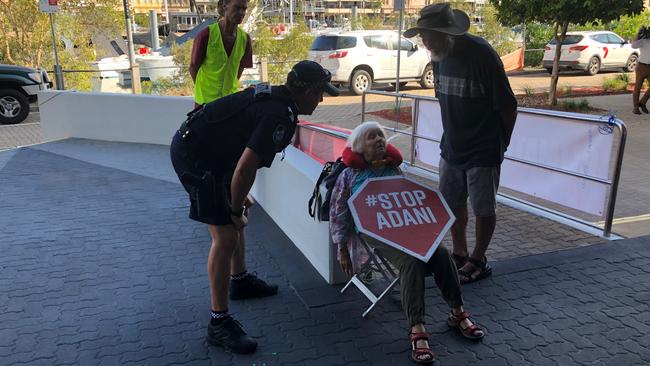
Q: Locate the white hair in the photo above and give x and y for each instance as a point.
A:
(358, 135)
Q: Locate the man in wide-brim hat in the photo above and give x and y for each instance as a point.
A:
(439, 23)
(478, 111)
(441, 18)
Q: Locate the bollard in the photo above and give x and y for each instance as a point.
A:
(135, 79)
(264, 70)
(153, 21)
(58, 77)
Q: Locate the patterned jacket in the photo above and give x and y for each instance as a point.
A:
(342, 228)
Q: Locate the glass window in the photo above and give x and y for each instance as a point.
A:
(405, 45)
(331, 43)
(379, 42)
(602, 38)
(569, 39)
(613, 38)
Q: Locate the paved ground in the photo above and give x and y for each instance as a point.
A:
(26, 133)
(101, 266)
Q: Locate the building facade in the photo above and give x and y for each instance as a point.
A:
(173, 6)
(314, 9)
(385, 7)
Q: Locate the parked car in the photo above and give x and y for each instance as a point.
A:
(360, 58)
(592, 52)
(18, 87)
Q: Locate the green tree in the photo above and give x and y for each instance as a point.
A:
(500, 37)
(283, 52)
(537, 36)
(626, 27)
(179, 84)
(562, 13)
(374, 20)
(25, 34)
(371, 22)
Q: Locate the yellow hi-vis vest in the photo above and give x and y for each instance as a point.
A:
(217, 76)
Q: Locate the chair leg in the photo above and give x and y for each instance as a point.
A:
(376, 263)
(348, 284)
(380, 297)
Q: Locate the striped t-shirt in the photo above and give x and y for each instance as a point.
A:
(472, 88)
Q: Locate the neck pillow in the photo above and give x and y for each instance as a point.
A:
(356, 161)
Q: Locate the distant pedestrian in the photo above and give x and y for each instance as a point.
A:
(642, 71)
(216, 154)
(478, 112)
(220, 54)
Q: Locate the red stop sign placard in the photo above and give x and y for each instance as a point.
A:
(402, 213)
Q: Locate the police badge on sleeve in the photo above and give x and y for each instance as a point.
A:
(279, 135)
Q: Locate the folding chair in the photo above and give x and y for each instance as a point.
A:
(376, 263)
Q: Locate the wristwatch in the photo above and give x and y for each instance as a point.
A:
(239, 213)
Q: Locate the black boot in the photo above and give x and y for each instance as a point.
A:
(251, 287)
(228, 333)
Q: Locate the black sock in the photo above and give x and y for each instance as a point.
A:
(240, 276)
(217, 316)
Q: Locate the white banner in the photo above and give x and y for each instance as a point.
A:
(564, 143)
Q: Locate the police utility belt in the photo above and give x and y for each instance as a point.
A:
(242, 100)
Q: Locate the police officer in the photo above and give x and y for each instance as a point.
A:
(216, 153)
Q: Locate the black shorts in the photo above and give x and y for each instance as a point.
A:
(209, 190)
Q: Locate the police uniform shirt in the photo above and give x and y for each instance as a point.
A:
(265, 126)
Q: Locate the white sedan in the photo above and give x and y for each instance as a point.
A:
(592, 52)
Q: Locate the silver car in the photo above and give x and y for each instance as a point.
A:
(357, 59)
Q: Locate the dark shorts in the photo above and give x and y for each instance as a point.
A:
(480, 184)
(208, 190)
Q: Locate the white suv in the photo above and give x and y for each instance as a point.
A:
(359, 58)
(591, 52)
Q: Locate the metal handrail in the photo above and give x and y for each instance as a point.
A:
(126, 69)
(326, 131)
(519, 160)
(612, 183)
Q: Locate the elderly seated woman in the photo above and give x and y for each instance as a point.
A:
(367, 156)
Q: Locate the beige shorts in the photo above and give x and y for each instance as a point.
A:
(480, 184)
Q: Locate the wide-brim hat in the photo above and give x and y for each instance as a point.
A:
(440, 18)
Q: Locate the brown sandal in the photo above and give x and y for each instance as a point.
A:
(472, 332)
(459, 260)
(481, 270)
(421, 355)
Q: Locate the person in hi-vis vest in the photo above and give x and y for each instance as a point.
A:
(220, 54)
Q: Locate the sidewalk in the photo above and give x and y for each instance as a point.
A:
(101, 266)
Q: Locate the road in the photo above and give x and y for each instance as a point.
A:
(535, 80)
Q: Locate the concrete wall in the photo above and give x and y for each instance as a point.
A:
(283, 190)
(111, 117)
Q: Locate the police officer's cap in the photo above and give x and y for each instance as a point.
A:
(309, 73)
